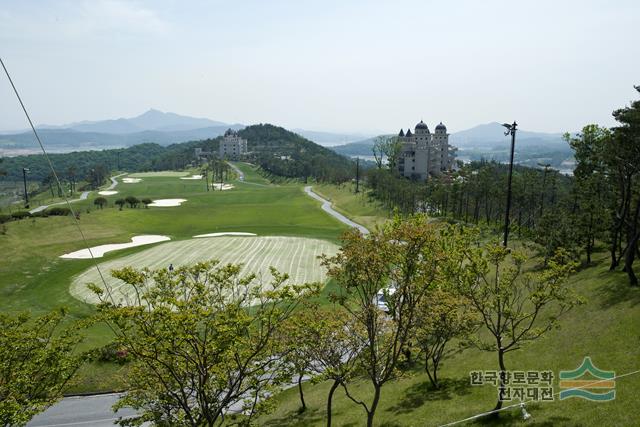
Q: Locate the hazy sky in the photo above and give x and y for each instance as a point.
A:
(360, 66)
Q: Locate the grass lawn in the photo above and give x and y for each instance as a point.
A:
(605, 328)
(359, 207)
(33, 278)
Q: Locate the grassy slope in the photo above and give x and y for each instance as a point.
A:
(32, 277)
(605, 328)
(358, 207)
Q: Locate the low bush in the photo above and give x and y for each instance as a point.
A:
(20, 214)
(58, 211)
(4, 218)
(112, 353)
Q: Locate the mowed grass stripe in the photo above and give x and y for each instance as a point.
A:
(295, 256)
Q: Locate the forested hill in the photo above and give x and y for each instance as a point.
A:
(276, 149)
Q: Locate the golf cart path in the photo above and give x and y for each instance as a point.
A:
(326, 206)
(241, 176)
(114, 182)
(238, 171)
(83, 196)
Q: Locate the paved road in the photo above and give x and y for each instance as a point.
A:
(326, 206)
(83, 196)
(114, 181)
(81, 411)
(238, 171)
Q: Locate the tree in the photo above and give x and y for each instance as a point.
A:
(516, 307)
(378, 149)
(147, 201)
(202, 341)
(37, 360)
(591, 185)
(624, 160)
(442, 316)
(400, 260)
(322, 344)
(120, 203)
(101, 202)
(132, 201)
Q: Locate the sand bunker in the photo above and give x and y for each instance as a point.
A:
(222, 186)
(226, 233)
(192, 177)
(131, 180)
(99, 251)
(107, 192)
(166, 203)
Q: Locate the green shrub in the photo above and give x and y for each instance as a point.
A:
(20, 214)
(4, 218)
(58, 211)
(112, 352)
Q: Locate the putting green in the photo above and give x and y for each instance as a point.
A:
(296, 256)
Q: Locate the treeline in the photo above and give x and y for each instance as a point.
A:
(286, 154)
(600, 203)
(275, 149)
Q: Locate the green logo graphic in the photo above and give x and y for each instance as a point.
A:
(603, 381)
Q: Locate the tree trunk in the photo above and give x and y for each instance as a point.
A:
(433, 379)
(374, 405)
(632, 247)
(303, 406)
(501, 390)
(333, 388)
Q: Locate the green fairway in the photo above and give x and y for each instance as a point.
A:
(33, 277)
(295, 256)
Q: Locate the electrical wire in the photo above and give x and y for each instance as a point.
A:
(55, 175)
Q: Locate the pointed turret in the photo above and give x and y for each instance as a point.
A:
(401, 133)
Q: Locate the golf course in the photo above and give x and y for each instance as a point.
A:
(260, 224)
(278, 225)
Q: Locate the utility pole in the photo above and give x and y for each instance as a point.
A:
(357, 174)
(26, 193)
(511, 130)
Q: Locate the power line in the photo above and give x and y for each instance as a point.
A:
(55, 175)
(522, 403)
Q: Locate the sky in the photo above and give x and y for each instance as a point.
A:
(343, 66)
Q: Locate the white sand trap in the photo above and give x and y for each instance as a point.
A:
(107, 192)
(166, 203)
(222, 186)
(131, 180)
(192, 177)
(226, 233)
(99, 251)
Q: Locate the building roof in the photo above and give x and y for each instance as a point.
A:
(422, 125)
(441, 127)
(408, 132)
(401, 133)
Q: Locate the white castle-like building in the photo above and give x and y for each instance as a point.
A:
(424, 154)
(232, 145)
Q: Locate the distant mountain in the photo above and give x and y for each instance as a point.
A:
(490, 134)
(61, 140)
(329, 139)
(151, 120)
